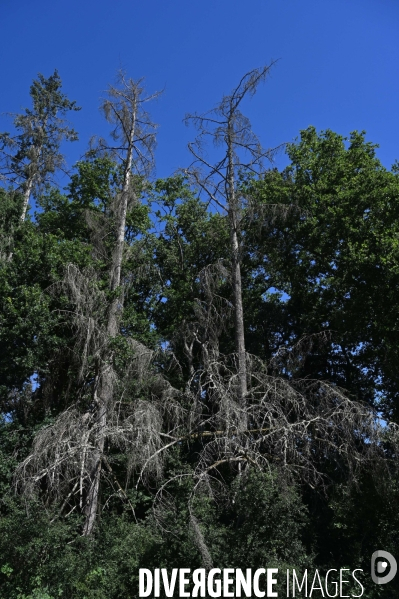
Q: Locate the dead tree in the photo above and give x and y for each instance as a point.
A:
(134, 134)
(228, 128)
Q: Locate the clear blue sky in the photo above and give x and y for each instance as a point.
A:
(338, 67)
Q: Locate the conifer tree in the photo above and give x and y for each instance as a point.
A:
(32, 154)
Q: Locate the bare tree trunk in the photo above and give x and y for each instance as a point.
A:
(233, 213)
(238, 315)
(92, 500)
(27, 194)
(122, 209)
(106, 380)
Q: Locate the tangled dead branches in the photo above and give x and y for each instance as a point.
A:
(305, 428)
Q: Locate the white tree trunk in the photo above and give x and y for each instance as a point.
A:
(27, 194)
(238, 316)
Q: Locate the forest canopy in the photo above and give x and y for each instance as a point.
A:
(195, 371)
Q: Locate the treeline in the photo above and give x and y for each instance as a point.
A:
(198, 371)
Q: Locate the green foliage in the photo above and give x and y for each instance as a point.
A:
(190, 239)
(334, 255)
(34, 150)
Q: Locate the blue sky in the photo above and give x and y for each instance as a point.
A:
(338, 67)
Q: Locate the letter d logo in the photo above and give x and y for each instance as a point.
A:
(382, 566)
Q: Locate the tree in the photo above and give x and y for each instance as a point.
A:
(123, 108)
(228, 127)
(33, 153)
(336, 262)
